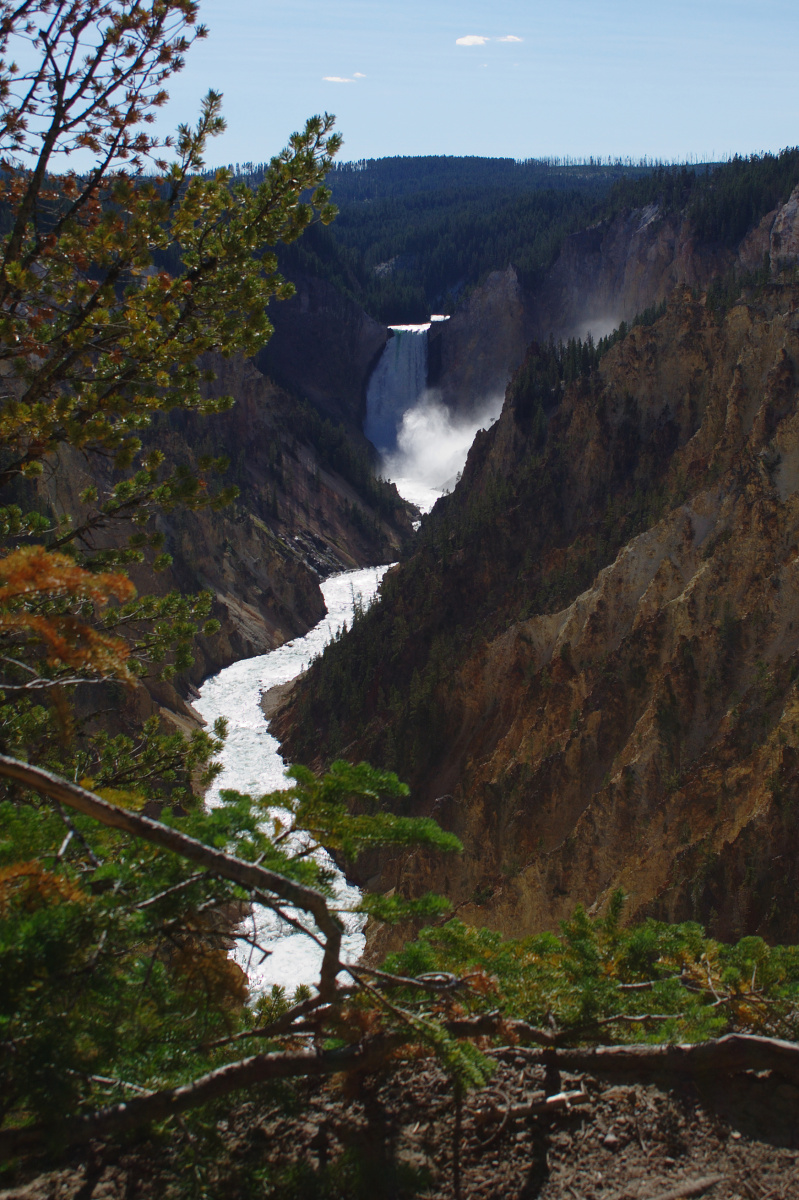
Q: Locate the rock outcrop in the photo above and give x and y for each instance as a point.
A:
(589, 669)
(324, 348)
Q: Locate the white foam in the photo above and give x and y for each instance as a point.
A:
(252, 764)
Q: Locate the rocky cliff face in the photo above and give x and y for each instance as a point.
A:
(589, 670)
(472, 356)
(611, 272)
(324, 348)
(603, 276)
(308, 506)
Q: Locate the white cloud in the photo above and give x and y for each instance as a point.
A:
(336, 79)
(478, 39)
(358, 75)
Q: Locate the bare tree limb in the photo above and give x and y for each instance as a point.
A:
(733, 1053)
(157, 1106)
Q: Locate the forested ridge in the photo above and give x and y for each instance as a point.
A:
(413, 233)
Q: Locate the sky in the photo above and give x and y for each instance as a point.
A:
(515, 78)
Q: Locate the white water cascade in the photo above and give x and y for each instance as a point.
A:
(397, 383)
(422, 444)
(252, 764)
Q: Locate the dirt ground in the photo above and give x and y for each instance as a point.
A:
(395, 1138)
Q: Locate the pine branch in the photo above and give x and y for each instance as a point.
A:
(246, 874)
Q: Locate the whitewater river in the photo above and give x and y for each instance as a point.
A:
(252, 764)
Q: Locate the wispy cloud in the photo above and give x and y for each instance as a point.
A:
(478, 39)
(358, 75)
(336, 79)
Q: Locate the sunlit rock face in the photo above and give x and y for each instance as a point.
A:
(614, 270)
(784, 234)
(594, 653)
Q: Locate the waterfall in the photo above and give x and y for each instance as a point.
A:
(422, 444)
(397, 383)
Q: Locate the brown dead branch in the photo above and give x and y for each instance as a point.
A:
(732, 1054)
(537, 1105)
(282, 1024)
(490, 1024)
(158, 1106)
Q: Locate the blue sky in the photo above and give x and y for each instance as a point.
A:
(668, 80)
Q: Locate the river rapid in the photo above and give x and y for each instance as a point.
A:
(251, 763)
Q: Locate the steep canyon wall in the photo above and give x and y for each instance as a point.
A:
(603, 275)
(589, 668)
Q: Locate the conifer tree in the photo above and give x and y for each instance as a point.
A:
(119, 270)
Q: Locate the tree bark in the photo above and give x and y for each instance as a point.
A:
(732, 1054)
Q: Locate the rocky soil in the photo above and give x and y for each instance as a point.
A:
(396, 1137)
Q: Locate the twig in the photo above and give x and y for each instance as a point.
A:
(493, 1112)
(710, 977)
(63, 847)
(691, 1187)
(254, 944)
(177, 887)
(132, 1087)
(434, 981)
(280, 1025)
(618, 1019)
(284, 916)
(542, 1104)
(456, 1140)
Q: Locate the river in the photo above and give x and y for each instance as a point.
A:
(252, 763)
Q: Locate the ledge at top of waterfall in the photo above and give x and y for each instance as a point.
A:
(422, 444)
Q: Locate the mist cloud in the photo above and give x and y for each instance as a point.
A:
(432, 445)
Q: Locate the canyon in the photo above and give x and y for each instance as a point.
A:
(572, 660)
(587, 667)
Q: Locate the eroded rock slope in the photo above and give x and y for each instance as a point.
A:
(590, 668)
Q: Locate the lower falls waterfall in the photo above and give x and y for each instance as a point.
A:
(397, 384)
(422, 443)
